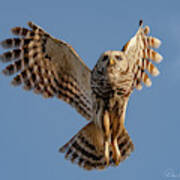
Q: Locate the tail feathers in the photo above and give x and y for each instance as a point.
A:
(86, 148)
(126, 145)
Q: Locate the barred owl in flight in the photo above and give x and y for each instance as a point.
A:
(51, 67)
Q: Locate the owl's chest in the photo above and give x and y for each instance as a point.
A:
(114, 105)
(121, 83)
(111, 81)
(118, 78)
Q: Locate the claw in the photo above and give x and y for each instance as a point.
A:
(107, 136)
(106, 153)
(116, 152)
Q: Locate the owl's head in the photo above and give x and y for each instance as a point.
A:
(112, 61)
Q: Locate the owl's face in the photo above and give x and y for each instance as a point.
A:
(112, 61)
(112, 71)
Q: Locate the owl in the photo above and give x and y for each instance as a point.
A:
(52, 68)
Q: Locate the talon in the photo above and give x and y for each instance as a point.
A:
(106, 122)
(116, 152)
(106, 153)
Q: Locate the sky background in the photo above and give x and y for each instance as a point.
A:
(32, 128)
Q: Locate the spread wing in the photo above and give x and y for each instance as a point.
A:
(139, 53)
(48, 66)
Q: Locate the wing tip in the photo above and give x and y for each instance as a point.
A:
(5, 72)
(155, 72)
(32, 25)
(1, 58)
(148, 82)
(139, 86)
(146, 30)
(140, 22)
(157, 43)
(3, 44)
(62, 149)
(159, 58)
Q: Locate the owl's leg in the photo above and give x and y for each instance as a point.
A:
(106, 124)
(117, 131)
(116, 152)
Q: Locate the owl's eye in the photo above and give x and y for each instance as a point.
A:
(118, 57)
(105, 58)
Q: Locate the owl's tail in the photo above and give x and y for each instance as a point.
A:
(86, 148)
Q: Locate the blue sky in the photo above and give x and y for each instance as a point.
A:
(32, 128)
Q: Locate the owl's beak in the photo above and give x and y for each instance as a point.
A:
(111, 61)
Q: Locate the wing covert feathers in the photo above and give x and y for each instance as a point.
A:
(48, 66)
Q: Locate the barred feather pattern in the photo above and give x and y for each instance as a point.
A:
(139, 51)
(39, 71)
(51, 67)
(86, 148)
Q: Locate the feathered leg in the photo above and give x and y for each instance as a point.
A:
(106, 123)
